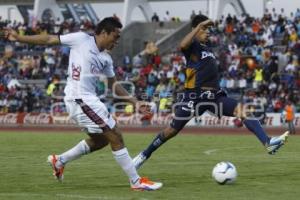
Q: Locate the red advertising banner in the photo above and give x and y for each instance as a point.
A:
(206, 120)
(26, 118)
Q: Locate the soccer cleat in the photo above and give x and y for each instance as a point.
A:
(139, 160)
(276, 142)
(145, 184)
(58, 173)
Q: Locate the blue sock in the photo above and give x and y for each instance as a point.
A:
(254, 126)
(157, 142)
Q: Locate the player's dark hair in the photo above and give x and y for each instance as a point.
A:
(198, 19)
(108, 24)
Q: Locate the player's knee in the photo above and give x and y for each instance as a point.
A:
(170, 132)
(101, 144)
(115, 138)
(96, 142)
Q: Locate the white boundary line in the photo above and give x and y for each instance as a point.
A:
(211, 151)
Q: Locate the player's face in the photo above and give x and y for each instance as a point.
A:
(203, 34)
(112, 39)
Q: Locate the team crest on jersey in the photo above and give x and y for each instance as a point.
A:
(76, 72)
(206, 54)
(95, 69)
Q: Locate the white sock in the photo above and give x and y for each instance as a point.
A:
(124, 160)
(76, 152)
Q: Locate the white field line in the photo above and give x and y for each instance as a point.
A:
(211, 151)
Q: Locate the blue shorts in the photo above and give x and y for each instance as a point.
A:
(193, 103)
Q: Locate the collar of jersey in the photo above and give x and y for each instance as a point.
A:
(100, 50)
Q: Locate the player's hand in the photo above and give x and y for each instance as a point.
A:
(10, 34)
(205, 24)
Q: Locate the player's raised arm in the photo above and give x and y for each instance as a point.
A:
(42, 39)
(187, 40)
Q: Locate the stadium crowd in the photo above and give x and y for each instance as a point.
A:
(259, 62)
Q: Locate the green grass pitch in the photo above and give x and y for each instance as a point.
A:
(184, 165)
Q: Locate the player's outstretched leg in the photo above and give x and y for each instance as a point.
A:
(136, 182)
(144, 183)
(139, 160)
(58, 168)
(276, 142)
(58, 162)
(123, 158)
(160, 139)
(272, 144)
(255, 127)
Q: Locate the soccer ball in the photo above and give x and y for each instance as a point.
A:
(224, 173)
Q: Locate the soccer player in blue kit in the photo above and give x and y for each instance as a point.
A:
(202, 93)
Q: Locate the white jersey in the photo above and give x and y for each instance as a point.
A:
(86, 64)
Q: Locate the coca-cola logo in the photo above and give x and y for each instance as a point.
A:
(63, 120)
(9, 118)
(42, 118)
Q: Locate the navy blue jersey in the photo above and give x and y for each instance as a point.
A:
(201, 67)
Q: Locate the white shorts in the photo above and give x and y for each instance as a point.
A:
(90, 114)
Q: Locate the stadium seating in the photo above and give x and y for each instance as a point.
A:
(243, 45)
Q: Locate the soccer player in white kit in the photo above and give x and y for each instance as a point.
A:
(88, 60)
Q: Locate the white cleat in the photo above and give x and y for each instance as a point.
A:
(277, 142)
(145, 184)
(58, 173)
(139, 160)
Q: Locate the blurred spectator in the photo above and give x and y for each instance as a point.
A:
(13, 83)
(193, 14)
(167, 16)
(52, 86)
(289, 116)
(258, 77)
(290, 66)
(155, 17)
(137, 61)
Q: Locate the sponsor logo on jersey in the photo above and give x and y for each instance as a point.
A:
(206, 54)
(95, 69)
